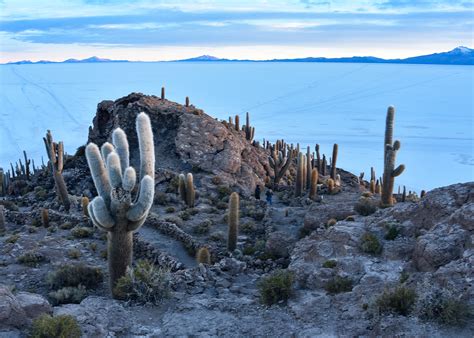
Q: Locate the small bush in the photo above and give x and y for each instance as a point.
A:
(247, 228)
(203, 228)
(193, 211)
(338, 284)
(75, 275)
(68, 295)
(184, 215)
(399, 300)
(144, 283)
(223, 191)
(218, 236)
(331, 222)
(216, 180)
(66, 226)
(442, 305)
(304, 231)
(74, 253)
(277, 287)
(31, 258)
(63, 326)
(82, 232)
(365, 206)
(330, 264)
(170, 210)
(12, 239)
(392, 233)
(370, 244)
(222, 205)
(350, 218)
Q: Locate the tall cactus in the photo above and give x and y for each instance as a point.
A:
(27, 165)
(390, 152)
(2, 219)
(313, 190)
(299, 175)
(114, 210)
(237, 124)
(280, 161)
(233, 219)
(318, 158)
(186, 189)
(162, 93)
(309, 168)
(249, 130)
(335, 150)
(55, 153)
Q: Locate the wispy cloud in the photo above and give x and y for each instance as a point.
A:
(376, 27)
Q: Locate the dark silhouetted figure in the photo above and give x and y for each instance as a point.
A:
(269, 195)
(257, 192)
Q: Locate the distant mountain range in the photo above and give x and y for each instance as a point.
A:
(457, 56)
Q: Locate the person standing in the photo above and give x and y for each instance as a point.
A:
(257, 192)
(269, 195)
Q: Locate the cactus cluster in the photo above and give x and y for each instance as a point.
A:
(55, 153)
(186, 189)
(390, 152)
(280, 160)
(233, 221)
(114, 210)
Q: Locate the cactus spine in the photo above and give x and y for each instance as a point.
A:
(299, 175)
(114, 210)
(313, 190)
(55, 153)
(390, 152)
(334, 160)
(234, 206)
(203, 256)
(186, 189)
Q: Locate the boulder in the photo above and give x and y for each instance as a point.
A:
(33, 304)
(279, 244)
(11, 312)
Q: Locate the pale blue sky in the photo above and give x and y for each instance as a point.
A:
(258, 29)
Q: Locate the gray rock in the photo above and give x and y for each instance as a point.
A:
(279, 244)
(11, 312)
(33, 304)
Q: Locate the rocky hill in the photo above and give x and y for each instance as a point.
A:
(334, 264)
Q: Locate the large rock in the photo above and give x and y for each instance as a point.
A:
(17, 311)
(11, 312)
(185, 138)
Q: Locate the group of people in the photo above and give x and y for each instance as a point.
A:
(268, 194)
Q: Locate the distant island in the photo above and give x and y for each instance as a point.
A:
(458, 56)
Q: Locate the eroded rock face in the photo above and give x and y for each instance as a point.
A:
(17, 311)
(185, 139)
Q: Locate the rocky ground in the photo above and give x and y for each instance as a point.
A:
(424, 245)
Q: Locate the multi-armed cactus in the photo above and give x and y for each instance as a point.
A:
(186, 189)
(55, 153)
(390, 152)
(114, 210)
(299, 175)
(233, 219)
(249, 130)
(280, 161)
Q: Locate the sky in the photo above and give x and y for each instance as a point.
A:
(150, 30)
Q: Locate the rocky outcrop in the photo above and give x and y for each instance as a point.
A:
(185, 139)
(17, 311)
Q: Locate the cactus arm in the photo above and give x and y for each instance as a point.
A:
(129, 178)
(90, 212)
(398, 171)
(105, 150)
(97, 168)
(134, 225)
(145, 142)
(115, 172)
(119, 139)
(100, 213)
(145, 200)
